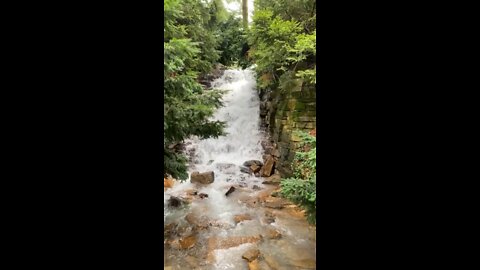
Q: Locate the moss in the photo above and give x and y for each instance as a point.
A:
(299, 106)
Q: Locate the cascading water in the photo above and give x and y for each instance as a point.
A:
(224, 156)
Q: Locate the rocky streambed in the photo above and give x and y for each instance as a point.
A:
(228, 214)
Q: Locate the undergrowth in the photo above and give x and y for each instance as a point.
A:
(301, 188)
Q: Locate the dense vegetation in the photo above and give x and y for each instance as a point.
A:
(301, 188)
(281, 42)
(194, 32)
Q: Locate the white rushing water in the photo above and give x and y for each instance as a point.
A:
(242, 142)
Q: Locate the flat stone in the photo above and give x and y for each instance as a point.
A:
(275, 203)
(249, 163)
(245, 170)
(188, 242)
(224, 243)
(255, 168)
(242, 217)
(251, 254)
(202, 178)
(272, 234)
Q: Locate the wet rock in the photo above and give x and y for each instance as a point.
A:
(251, 202)
(269, 217)
(188, 242)
(254, 265)
(272, 234)
(257, 174)
(267, 169)
(275, 203)
(245, 170)
(249, 163)
(168, 229)
(271, 261)
(229, 242)
(274, 179)
(230, 190)
(255, 187)
(191, 192)
(242, 217)
(304, 264)
(251, 254)
(202, 178)
(167, 183)
(167, 268)
(255, 168)
(175, 201)
(198, 222)
(203, 195)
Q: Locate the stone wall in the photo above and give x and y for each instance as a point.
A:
(282, 112)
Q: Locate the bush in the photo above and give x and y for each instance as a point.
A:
(302, 187)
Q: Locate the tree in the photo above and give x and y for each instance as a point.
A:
(189, 50)
(245, 13)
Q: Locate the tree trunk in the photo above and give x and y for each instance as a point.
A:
(245, 13)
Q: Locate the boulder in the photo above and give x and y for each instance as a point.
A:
(245, 170)
(175, 201)
(249, 163)
(251, 254)
(255, 168)
(202, 178)
(267, 169)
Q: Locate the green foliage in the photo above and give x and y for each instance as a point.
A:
(283, 40)
(232, 38)
(190, 42)
(301, 188)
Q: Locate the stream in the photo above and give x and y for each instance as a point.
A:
(213, 232)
